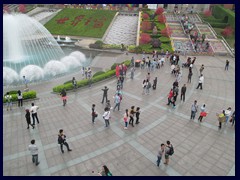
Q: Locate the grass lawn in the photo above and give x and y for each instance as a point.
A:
(80, 22)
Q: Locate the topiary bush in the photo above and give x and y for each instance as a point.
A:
(98, 73)
(26, 95)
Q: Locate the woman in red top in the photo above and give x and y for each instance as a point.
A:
(170, 95)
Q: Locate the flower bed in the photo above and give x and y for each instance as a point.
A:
(80, 22)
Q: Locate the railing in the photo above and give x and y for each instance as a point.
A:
(229, 48)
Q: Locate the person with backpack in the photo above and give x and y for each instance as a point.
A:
(8, 97)
(62, 141)
(169, 151)
(105, 171)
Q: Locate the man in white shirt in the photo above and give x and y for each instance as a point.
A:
(200, 82)
(33, 110)
(106, 116)
(34, 151)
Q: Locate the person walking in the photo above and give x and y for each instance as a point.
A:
(94, 113)
(8, 98)
(228, 114)
(194, 109)
(202, 113)
(201, 69)
(160, 154)
(132, 112)
(125, 118)
(170, 95)
(106, 116)
(155, 83)
(62, 141)
(89, 76)
(25, 81)
(74, 83)
(227, 65)
(105, 90)
(200, 81)
(64, 96)
(34, 110)
(221, 118)
(137, 115)
(190, 76)
(28, 119)
(168, 152)
(144, 86)
(105, 171)
(34, 152)
(117, 101)
(20, 98)
(148, 86)
(183, 92)
(132, 72)
(233, 119)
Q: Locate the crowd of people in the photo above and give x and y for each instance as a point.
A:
(131, 116)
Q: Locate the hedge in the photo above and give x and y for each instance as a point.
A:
(219, 25)
(26, 95)
(220, 12)
(84, 82)
(98, 73)
(165, 39)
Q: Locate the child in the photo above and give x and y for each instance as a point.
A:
(125, 118)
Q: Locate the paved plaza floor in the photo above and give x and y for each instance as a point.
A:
(200, 149)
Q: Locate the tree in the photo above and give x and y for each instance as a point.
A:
(22, 8)
(145, 38)
(207, 13)
(162, 18)
(145, 16)
(146, 26)
(166, 32)
(228, 31)
(159, 11)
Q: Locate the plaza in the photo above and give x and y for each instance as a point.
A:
(201, 149)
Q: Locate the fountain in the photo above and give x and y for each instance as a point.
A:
(30, 50)
(68, 39)
(58, 38)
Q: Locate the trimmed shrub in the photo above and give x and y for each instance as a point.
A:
(11, 92)
(162, 18)
(98, 73)
(219, 25)
(159, 11)
(155, 36)
(165, 39)
(220, 12)
(26, 95)
(95, 79)
(67, 82)
(138, 49)
(145, 38)
(166, 32)
(228, 31)
(207, 13)
(145, 16)
(156, 43)
(146, 26)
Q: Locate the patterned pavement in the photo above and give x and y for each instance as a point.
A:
(200, 149)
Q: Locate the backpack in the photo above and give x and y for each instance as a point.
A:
(60, 140)
(149, 85)
(109, 174)
(171, 151)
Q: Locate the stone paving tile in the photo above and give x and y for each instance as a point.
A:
(195, 145)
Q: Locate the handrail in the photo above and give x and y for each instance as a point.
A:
(230, 49)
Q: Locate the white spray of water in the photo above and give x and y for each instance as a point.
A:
(32, 72)
(9, 75)
(70, 62)
(79, 56)
(54, 68)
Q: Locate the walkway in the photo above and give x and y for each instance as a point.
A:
(200, 149)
